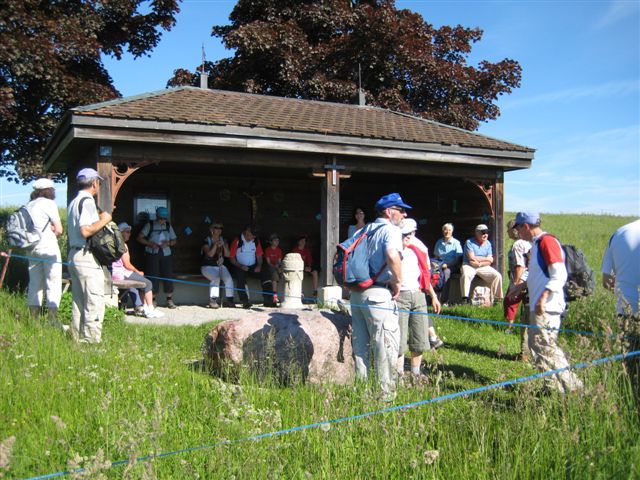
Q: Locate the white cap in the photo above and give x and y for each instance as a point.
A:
(409, 225)
(42, 183)
(124, 226)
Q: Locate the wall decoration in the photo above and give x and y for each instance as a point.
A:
(253, 197)
(188, 231)
(207, 220)
(225, 195)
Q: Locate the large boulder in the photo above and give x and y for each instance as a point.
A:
(290, 345)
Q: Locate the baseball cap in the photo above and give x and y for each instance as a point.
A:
(409, 225)
(42, 183)
(481, 227)
(162, 212)
(532, 218)
(124, 226)
(391, 200)
(88, 174)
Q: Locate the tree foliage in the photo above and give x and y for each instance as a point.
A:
(50, 61)
(311, 49)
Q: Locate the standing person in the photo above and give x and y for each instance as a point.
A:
(373, 310)
(412, 303)
(621, 273)
(123, 269)
(87, 276)
(518, 271)
(478, 258)
(309, 268)
(45, 273)
(158, 237)
(545, 283)
(246, 256)
(273, 256)
(448, 250)
(214, 251)
(360, 217)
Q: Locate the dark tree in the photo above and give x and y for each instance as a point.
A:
(50, 61)
(311, 49)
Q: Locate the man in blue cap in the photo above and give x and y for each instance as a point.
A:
(87, 276)
(158, 237)
(545, 283)
(374, 314)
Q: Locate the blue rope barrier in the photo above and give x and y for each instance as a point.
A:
(335, 421)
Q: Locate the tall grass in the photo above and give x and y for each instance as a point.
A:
(142, 392)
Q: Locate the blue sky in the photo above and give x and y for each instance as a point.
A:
(578, 104)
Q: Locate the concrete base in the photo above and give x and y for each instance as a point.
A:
(328, 297)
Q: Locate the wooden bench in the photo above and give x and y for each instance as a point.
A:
(123, 286)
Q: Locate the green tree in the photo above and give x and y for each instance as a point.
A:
(312, 49)
(50, 61)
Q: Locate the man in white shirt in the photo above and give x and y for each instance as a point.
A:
(87, 276)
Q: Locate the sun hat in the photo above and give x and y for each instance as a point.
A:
(124, 226)
(481, 227)
(162, 212)
(409, 225)
(42, 183)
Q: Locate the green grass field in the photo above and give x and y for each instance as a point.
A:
(141, 393)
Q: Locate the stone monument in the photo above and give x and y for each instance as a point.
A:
(293, 272)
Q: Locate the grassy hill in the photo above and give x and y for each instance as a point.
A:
(65, 405)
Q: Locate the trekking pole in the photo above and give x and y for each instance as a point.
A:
(6, 264)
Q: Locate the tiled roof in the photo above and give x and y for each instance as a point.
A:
(190, 105)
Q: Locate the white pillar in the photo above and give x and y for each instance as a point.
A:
(293, 272)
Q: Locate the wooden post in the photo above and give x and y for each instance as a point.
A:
(498, 208)
(105, 170)
(330, 223)
(4, 267)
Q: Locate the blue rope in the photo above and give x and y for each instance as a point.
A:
(362, 415)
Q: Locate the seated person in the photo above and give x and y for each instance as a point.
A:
(478, 258)
(273, 256)
(359, 215)
(123, 270)
(448, 251)
(246, 257)
(214, 250)
(307, 258)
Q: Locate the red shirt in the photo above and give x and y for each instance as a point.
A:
(305, 253)
(273, 255)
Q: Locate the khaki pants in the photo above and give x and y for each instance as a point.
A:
(87, 290)
(488, 274)
(375, 327)
(547, 354)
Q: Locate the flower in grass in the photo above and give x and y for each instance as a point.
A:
(430, 456)
(325, 427)
(58, 421)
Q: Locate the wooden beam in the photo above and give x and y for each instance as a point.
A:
(106, 195)
(498, 208)
(330, 223)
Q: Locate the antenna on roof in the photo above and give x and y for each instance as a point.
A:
(362, 101)
(204, 78)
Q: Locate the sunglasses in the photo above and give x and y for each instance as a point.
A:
(217, 227)
(484, 232)
(398, 209)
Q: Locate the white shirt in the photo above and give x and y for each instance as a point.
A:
(44, 213)
(410, 271)
(622, 259)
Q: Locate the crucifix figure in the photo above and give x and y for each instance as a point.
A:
(254, 203)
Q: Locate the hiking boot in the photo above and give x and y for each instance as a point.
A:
(213, 303)
(139, 311)
(246, 304)
(436, 344)
(228, 303)
(170, 304)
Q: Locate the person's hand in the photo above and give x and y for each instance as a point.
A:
(435, 303)
(258, 268)
(444, 266)
(244, 267)
(307, 269)
(105, 216)
(395, 289)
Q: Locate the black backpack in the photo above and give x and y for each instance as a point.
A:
(107, 244)
(581, 280)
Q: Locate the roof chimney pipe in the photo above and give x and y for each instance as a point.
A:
(362, 99)
(204, 80)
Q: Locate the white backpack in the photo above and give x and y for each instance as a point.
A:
(481, 297)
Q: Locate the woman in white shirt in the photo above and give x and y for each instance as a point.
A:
(45, 270)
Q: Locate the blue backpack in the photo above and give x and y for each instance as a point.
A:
(351, 264)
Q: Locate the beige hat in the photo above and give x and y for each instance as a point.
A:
(481, 227)
(42, 183)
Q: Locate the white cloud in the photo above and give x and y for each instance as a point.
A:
(568, 95)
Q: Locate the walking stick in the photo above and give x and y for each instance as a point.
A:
(4, 267)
